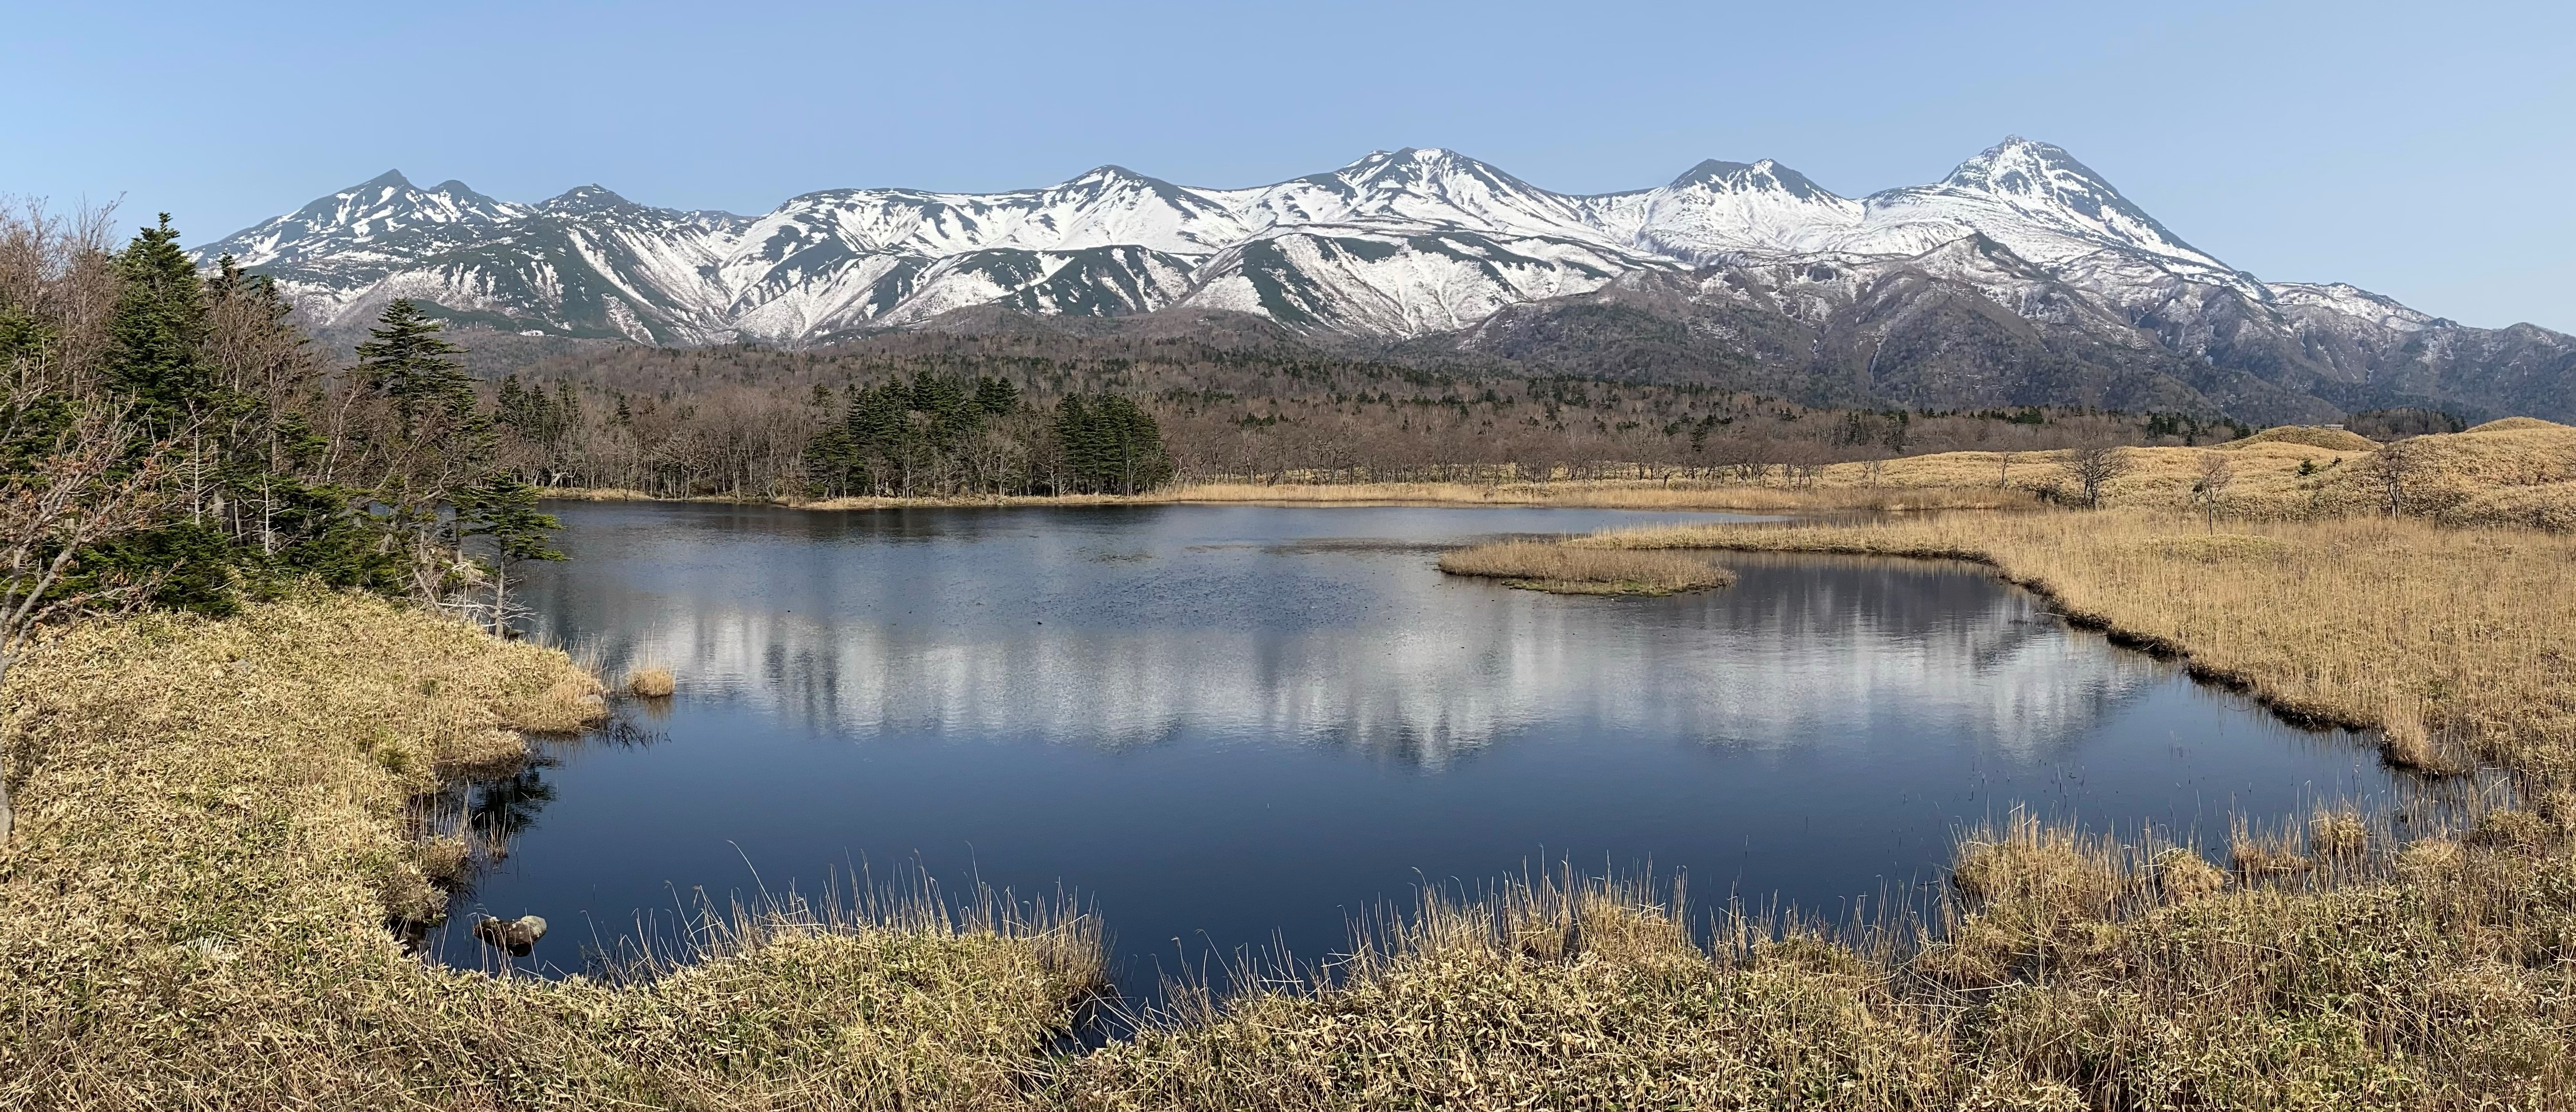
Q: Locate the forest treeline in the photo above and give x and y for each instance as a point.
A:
(1009, 412)
(170, 436)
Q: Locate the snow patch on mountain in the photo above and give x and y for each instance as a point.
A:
(2353, 301)
(1396, 243)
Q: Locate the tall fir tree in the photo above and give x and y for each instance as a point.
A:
(158, 333)
(1110, 445)
(439, 446)
(156, 363)
(405, 359)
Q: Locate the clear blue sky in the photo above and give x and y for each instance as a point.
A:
(2425, 151)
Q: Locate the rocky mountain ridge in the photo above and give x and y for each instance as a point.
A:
(2022, 277)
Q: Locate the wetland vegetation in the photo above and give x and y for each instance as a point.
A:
(1566, 570)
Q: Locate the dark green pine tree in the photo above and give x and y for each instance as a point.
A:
(996, 397)
(155, 361)
(831, 463)
(441, 446)
(503, 510)
(1111, 445)
(880, 435)
(159, 330)
(1131, 451)
(1076, 442)
(405, 359)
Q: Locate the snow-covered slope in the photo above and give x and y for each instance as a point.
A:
(1399, 244)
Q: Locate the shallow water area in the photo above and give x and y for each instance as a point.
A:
(1232, 727)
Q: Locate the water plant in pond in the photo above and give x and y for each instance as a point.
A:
(650, 682)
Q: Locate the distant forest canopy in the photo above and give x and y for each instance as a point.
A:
(941, 413)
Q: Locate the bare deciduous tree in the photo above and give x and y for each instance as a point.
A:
(2396, 466)
(2211, 485)
(2094, 467)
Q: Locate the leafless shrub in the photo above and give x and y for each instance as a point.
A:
(2094, 466)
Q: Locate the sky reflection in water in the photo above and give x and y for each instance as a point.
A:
(1229, 726)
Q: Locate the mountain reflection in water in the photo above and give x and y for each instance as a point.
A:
(1225, 722)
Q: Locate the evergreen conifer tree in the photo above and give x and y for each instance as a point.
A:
(438, 444)
(159, 331)
(996, 396)
(405, 359)
(156, 363)
(503, 510)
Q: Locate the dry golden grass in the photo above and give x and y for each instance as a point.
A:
(653, 682)
(2518, 472)
(2515, 472)
(1558, 569)
(213, 833)
(1546, 996)
(2333, 440)
(2072, 972)
(1625, 494)
(2439, 980)
(2459, 641)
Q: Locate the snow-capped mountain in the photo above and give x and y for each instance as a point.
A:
(1401, 243)
(1397, 246)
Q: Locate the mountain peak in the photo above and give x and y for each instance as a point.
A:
(2025, 166)
(1112, 172)
(459, 191)
(390, 179)
(1712, 169)
(593, 195)
(1738, 177)
(1412, 157)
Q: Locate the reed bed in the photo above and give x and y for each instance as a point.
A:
(1630, 494)
(1559, 569)
(2456, 641)
(2514, 473)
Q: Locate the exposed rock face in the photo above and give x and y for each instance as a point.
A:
(2022, 277)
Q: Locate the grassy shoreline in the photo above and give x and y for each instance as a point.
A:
(1583, 494)
(215, 833)
(2515, 473)
(2452, 642)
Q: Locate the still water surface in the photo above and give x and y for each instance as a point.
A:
(1231, 727)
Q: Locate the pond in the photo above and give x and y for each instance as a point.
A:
(1229, 728)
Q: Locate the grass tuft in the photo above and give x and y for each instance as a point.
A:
(650, 682)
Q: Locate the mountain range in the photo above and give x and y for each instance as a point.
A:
(2023, 277)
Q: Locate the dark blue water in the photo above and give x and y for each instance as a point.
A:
(1228, 727)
